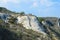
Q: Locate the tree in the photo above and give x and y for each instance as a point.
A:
(41, 19)
(22, 13)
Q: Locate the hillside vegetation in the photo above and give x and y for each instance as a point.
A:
(14, 31)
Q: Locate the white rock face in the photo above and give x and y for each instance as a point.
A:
(24, 20)
(43, 22)
(4, 17)
(30, 22)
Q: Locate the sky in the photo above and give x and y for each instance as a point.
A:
(42, 8)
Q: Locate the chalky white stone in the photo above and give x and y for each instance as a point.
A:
(30, 22)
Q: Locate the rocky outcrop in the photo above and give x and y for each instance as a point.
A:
(30, 22)
(28, 27)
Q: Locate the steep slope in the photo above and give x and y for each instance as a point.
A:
(51, 27)
(28, 27)
(30, 22)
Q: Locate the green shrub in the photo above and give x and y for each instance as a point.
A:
(12, 20)
(22, 13)
(40, 19)
(1, 21)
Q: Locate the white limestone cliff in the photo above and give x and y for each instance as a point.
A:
(30, 22)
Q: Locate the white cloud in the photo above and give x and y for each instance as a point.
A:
(46, 3)
(3, 1)
(35, 4)
(15, 1)
(43, 3)
(6, 1)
